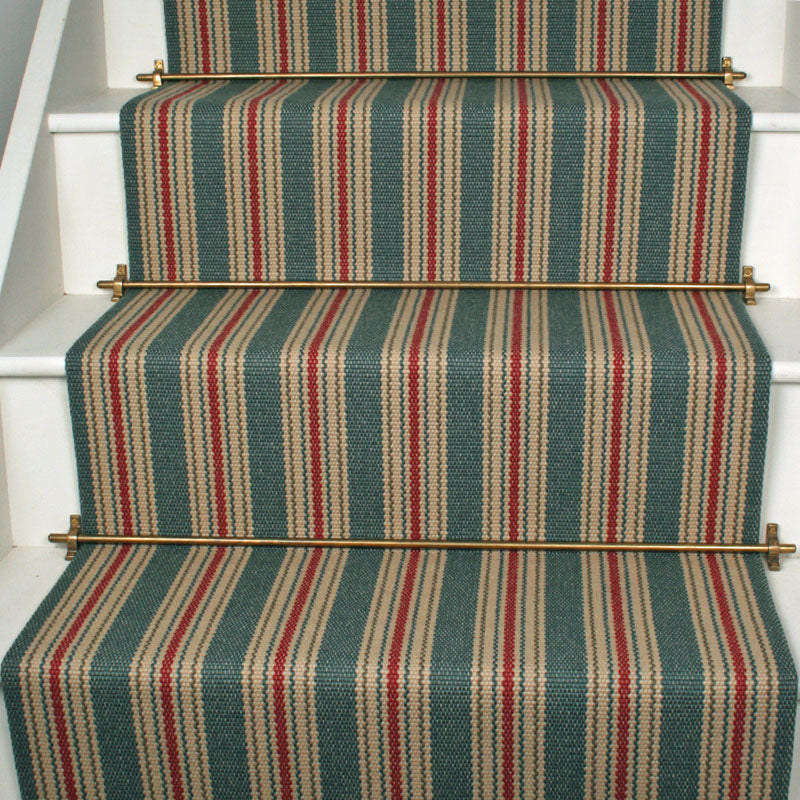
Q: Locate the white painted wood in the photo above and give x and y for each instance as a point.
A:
(40, 460)
(135, 38)
(753, 35)
(771, 235)
(91, 203)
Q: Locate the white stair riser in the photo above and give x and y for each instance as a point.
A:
(93, 230)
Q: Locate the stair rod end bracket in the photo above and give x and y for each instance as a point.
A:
(158, 71)
(118, 284)
(775, 549)
(70, 538)
(751, 287)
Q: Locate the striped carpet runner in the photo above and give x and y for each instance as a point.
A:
(422, 414)
(182, 672)
(242, 673)
(436, 180)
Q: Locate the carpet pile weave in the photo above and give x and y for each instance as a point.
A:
(179, 672)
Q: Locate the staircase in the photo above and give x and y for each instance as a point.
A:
(450, 428)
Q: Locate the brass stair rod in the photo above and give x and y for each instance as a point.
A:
(771, 548)
(159, 75)
(747, 285)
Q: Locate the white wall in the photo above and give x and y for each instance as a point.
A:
(17, 24)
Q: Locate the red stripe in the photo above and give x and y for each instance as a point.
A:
(165, 678)
(62, 732)
(393, 679)
(215, 413)
(514, 450)
(702, 181)
(521, 17)
(522, 184)
(279, 675)
(712, 503)
(342, 180)
(254, 179)
(683, 17)
(314, 422)
(431, 206)
(283, 39)
(441, 36)
(205, 39)
(717, 428)
(612, 178)
(361, 25)
(602, 27)
(117, 417)
(739, 678)
(166, 182)
(623, 687)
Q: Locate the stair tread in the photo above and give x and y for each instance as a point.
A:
(429, 667)
(775, 109)
(40, 348)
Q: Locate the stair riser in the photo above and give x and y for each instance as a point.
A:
(91, 198)
(135, 37)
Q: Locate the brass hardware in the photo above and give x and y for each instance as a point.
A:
(772, 549)
(159, 76)
(118, 283)
(71, 537)
(748, 285)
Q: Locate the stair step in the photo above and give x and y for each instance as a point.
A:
(422, 674)
(89, 167)
(775, 110)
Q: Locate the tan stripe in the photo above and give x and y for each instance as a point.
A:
(237, 181)
(299, 677)
(529, 676)
(432, 414)
(100, 430)
(77, 706)
(332, 414)
(146, 693)
(413, 687)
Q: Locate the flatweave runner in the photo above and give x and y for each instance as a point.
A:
(279, 36)
(437, 180)
(232, 673)
(422, 414)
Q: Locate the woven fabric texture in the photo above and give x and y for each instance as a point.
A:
(277, 36)
(436, 179)
(236, 673)
(422, 414)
